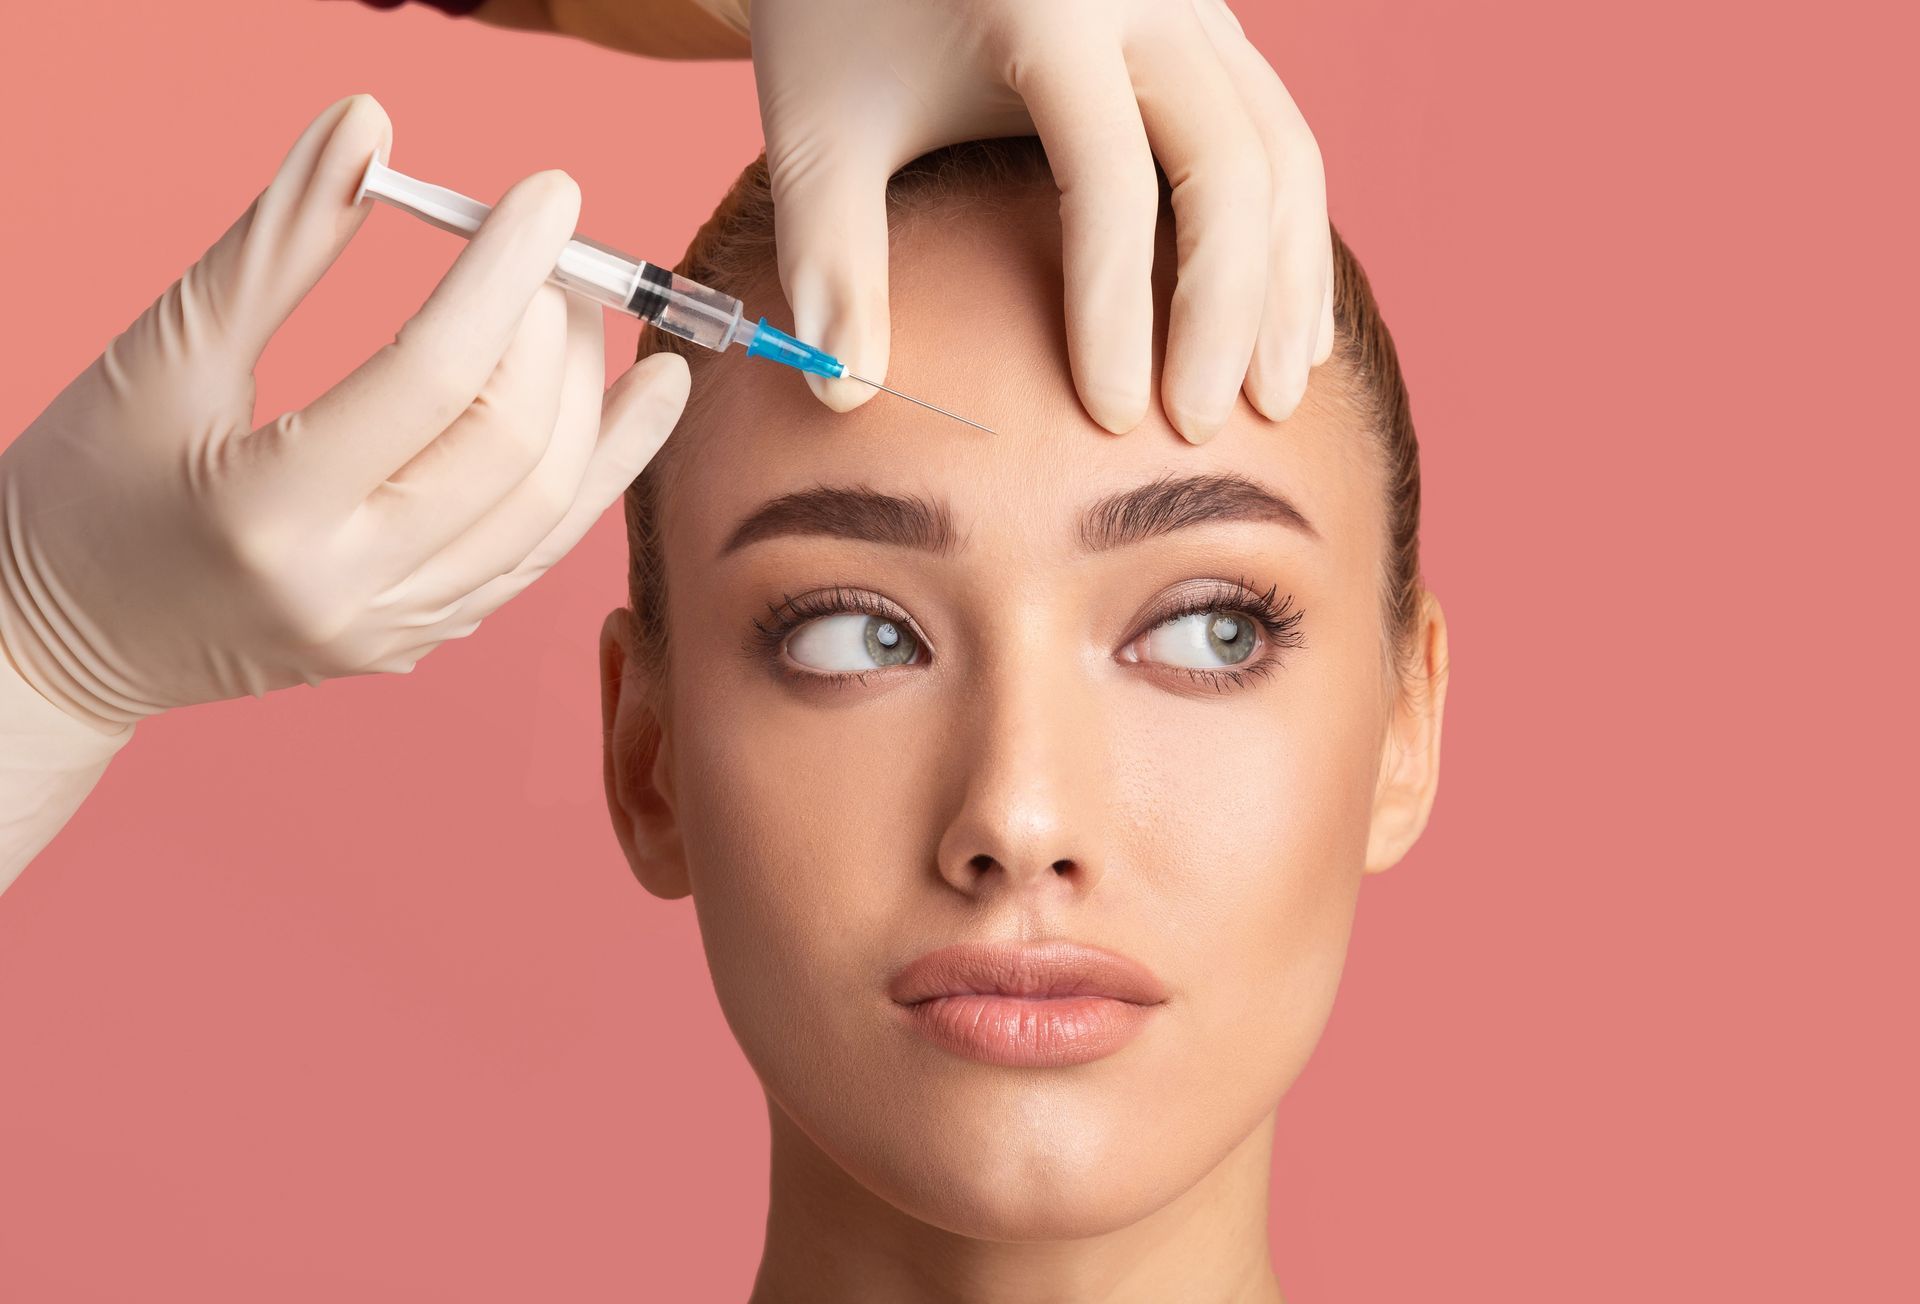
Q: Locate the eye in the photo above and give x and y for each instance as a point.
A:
(852, 641)
(836, 636)
(1218, 633)
(1202, 640)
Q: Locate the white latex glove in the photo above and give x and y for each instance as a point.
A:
(157, 550)
(852, 89)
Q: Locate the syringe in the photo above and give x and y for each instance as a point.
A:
(671, 303)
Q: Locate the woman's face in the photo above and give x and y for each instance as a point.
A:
(1015, 689)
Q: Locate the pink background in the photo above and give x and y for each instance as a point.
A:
(348, 993)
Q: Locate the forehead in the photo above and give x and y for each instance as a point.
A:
(978, 326)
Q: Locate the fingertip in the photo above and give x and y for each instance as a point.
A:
(859, 338)
(1213, 341)
(364, 122)
(1109, 314)
(669, 373)
(639, 414)
(363, 133)
(842, 395)
(327, 121)
(549, 197)
(559, 191)
(662, 379)
(1275, 386)
(1196, 425)
(302, 219)
(318, 141)
(334, 150)
(1114, 408)
(1198, 391)
(1276, 402)
(844, 309)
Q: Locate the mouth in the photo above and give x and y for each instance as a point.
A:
(1038, 1005)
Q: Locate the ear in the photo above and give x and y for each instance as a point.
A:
(639, 778)
(1410, 758)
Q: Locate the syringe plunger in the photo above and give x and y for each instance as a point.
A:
(673, 303)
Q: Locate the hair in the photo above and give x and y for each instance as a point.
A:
(734, 251)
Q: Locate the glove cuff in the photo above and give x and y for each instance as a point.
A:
(49, 762)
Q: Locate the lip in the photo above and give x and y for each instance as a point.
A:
(1033, 1005)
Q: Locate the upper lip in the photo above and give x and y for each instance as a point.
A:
(1033, 970)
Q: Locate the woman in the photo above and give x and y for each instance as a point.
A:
(1023, 783)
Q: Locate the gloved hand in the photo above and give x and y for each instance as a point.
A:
(852, 89)
(157, 550)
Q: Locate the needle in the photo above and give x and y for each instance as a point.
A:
(922, 402)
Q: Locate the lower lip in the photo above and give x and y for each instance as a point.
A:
(1021, 1032)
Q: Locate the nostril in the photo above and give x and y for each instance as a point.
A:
(983, 863)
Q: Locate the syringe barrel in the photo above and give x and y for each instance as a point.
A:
(673, 303)
(686, 308)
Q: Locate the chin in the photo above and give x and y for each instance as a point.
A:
(1040, 1162)
(1030, 1200)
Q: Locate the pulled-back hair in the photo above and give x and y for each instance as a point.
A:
(734, 251)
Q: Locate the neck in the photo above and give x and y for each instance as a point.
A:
(829, 1239)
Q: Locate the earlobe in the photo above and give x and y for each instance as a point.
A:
(1410, 758)
(635, 764)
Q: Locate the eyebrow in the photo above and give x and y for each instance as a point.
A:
(1116, 521)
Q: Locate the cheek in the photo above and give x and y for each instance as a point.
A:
(1254, 832)
(790, 808)
(802, 828)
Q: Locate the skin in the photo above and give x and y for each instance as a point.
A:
(1022, 781)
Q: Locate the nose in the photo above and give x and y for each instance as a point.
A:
(1035, 785)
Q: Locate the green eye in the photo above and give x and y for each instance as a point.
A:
(1203, 640)
(852, 641)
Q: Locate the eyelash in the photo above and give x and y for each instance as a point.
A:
(1279, 624)
(790, 613)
